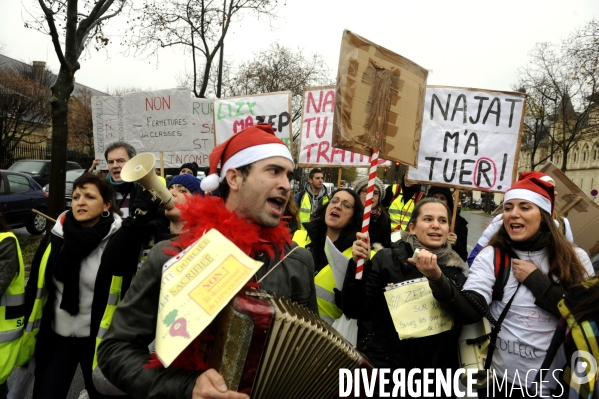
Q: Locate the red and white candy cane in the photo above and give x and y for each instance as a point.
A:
(368, 207)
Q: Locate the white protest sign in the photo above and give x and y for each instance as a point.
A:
(317, 132)
(470, 138)
(159, 120)
(109, 126)
(233, 114)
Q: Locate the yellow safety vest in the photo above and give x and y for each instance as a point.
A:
(305, 209)
(11, 330)
(324, 282)
(35, 318)
(399, 212)
(114, 298)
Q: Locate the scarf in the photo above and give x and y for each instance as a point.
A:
(200, 214)
(375, 213)
(443, 253)
(79, 242)
(538, 241)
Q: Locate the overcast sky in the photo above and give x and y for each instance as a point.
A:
(478, 44)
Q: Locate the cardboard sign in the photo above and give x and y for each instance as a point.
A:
(233, 114)
(159, 120)
(316, 148)
(415, 311)
(582, 212)
(379, 101)
(472, 138)
(109, 125)
(196, 285)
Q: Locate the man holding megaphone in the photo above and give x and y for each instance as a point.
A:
(254, 184)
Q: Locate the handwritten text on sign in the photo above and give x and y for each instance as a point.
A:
(109, 126)
(233, 114)
(317, 133)
(196, 285)
(159, 120)
(469, 138)
(415, 312)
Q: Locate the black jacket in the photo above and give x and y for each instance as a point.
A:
(364, 299)
(124, 351)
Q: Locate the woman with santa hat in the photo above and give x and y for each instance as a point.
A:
(540, 266)
(562, 223)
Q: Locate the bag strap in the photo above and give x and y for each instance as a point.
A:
(495, 331)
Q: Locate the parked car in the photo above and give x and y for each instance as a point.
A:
(38, 169)
(72, 175)
(19, 194)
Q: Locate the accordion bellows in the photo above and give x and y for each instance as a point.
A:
(274, 348)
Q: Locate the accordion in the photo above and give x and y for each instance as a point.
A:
(274, 348)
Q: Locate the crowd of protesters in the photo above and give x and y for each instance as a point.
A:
(93, 293)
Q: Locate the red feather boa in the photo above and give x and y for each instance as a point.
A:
(199, 215)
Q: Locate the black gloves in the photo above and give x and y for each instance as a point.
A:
(144, 207)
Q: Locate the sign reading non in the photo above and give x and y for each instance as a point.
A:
(159, 120)
(316, 147)
(110, 125)
(233, 114)
(470, 138)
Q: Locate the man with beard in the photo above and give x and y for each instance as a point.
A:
(254, 184)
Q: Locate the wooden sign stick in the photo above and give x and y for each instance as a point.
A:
(455, 207)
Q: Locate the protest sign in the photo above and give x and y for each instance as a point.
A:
(379, 101)
(414, 310)
(196, 285)
(470, 138)
(233, 114)
(109, 126)
(159, 120)
(316, 148)
(582, 212)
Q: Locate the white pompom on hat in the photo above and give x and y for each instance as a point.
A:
(535, 190)
(252, 144)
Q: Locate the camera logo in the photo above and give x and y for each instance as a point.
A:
(583, 366)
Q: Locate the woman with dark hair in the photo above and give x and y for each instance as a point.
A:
(12, 298)
(339, 220)
(541, 267)
(365, 300)
(70, 272)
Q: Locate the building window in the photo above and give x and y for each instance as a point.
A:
(595, 153)
(584, 156)
(575, 157)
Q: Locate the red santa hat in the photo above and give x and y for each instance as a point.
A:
(250, 145)
(538, 175)
(535, 190)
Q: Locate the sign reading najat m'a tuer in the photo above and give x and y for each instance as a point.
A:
(471, 138)
(379, 101)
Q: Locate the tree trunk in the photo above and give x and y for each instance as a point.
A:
(61, 93)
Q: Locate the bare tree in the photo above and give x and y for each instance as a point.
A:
(81, 126)
(24, 109)
(199, 27)
(71, 24)
(563, 81)
(277, 68)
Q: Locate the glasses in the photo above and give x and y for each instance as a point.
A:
(375, 193)
(346, 204)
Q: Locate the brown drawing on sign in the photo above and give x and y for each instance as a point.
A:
(570, 201)
(383, 86)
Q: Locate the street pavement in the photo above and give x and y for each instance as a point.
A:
(477, 223)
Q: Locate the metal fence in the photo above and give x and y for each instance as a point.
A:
(32, 151)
